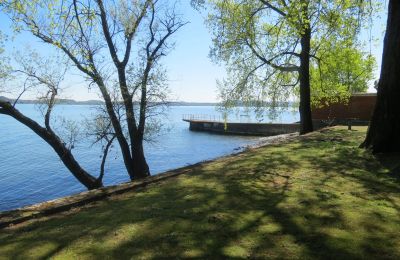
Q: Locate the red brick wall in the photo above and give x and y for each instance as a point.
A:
(359, 107)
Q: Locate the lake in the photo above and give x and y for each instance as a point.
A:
(31, 172)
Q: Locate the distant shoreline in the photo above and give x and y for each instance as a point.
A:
(99, 102)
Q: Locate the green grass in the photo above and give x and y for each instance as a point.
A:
(317, 197)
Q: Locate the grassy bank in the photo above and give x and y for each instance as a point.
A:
(316, 197)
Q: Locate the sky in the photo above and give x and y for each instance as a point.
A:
(192, 75)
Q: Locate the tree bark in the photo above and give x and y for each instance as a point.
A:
(140, 165)
(306, 124)
(55, 142)
(125, 150)
(384, 131)
(138, 168)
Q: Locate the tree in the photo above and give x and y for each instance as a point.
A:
(45, 76)
(344, 70)
(270, 45)
(384, 131)
(100, 38)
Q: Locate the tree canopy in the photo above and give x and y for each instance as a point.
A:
(270, 47)
(343, 70)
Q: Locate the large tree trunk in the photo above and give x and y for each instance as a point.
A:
(140, 165)
(54, 141)
(384, 130)
(306, 124)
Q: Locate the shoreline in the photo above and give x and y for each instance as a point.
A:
(300, 194)
(20, 215)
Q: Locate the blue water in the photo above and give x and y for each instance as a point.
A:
(31, 172)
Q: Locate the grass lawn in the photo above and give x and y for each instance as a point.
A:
(316, 197)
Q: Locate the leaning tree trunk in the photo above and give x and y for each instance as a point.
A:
(55, 142)
(306, 124)
(384, 131)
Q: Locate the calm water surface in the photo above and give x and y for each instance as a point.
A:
(30, 171)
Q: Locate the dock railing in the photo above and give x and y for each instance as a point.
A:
(202, 117)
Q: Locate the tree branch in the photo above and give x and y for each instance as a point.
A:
(103, 161)
(107, 35)
(131, 34)
(291, 68)
(276, 9)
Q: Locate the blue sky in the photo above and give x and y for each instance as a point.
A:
(192, 74)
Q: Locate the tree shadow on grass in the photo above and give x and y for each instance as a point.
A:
(305, 199)
(392, 162)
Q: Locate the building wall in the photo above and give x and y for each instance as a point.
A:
(360, 107)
